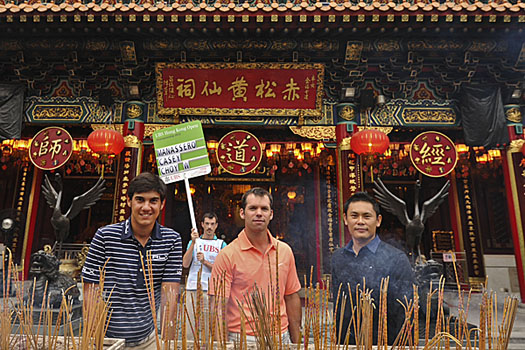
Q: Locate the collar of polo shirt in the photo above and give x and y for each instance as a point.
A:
(127, 231)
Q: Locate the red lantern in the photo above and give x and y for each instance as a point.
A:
(106, 142)
(369, 141)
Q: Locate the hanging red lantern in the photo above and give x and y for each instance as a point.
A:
(369, 141)
(106, 142)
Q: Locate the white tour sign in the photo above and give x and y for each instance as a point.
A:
(181, 152)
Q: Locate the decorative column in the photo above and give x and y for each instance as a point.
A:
(130, 162)
(18, 170)
(349, 179)
(470, 229)
(32, 212)
(514, 174)
(23, 196)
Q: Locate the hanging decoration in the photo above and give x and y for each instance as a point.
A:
(239, 152)
(50, 148)
(369, 142)
(433, 154)
(106, 142)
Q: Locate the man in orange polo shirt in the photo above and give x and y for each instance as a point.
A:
(245, 263)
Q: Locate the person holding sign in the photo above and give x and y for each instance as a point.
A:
(119, 248)
(244, 265)
(201, 252)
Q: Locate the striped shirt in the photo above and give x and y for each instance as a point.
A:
(131, 317)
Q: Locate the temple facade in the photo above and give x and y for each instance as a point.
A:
(296, 81)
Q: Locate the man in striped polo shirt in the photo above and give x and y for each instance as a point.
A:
(121, 246)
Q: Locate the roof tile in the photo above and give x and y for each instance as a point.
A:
(383, 6)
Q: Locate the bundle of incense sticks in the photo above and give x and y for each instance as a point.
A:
(217, 314)
(44, 334)
(260, 315)
(259, 310)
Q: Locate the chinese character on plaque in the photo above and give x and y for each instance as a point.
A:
(239, 152)
(433, 154)
(51, 148)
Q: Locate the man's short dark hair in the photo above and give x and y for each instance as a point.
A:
(256, 191)
(146, 182)
(210, 215)
(362, 197)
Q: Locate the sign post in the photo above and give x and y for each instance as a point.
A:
(181, 155)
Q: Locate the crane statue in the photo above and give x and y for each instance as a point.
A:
(59, 221)
(413, 227)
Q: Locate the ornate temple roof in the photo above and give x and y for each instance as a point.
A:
(263, 8)
(420, 49)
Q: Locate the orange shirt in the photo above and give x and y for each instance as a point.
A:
(243, 267)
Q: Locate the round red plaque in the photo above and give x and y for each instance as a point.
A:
(239, 152)
(433, 154)
(50, 148)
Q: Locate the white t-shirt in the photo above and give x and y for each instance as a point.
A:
(210, 248)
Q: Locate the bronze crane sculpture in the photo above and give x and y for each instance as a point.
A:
(413, 227)
(59, 221)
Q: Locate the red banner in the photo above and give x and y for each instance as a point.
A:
(240, 88)
(433, 154)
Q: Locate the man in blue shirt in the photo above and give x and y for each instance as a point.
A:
(120, 246)
(367, 258)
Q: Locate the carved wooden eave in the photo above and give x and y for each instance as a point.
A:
(516, 146)
(320, 133)
(399, 49)
(149, 129)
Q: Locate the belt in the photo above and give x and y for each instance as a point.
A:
(140, 342)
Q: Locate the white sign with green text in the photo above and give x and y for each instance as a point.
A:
(181, 152)
(181, 155)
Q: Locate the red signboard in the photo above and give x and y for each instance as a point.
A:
(51, 148)
(433, 154)
(240, 88)
(239, 152)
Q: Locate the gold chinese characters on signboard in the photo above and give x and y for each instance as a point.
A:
(252, 89)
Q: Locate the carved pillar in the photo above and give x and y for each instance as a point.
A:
(470, 228)
(130, 162)
(31, 183)
(20, 176)
(514, 174)
(349, 179)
